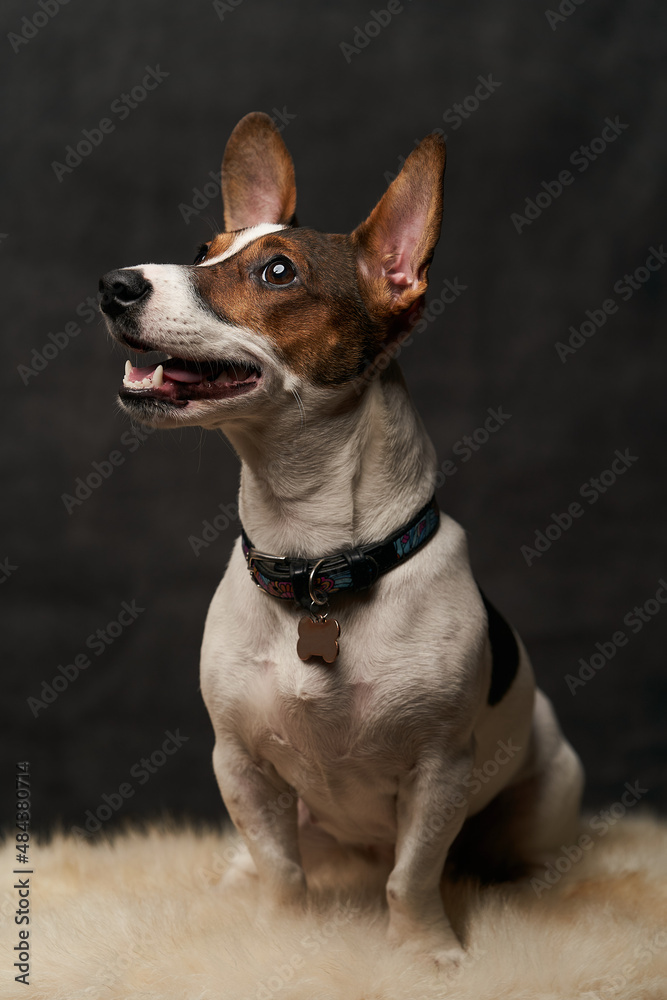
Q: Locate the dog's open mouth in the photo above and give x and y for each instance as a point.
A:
(178, 381)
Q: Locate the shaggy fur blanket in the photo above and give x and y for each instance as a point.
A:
(142, 915)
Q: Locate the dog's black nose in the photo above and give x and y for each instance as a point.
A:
(122, 289)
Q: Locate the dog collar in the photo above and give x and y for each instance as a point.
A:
(310, 582)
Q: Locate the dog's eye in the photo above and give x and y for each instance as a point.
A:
(201, 253)
(279, 272)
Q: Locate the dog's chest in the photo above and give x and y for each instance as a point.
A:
(327, 736)
(312, 709)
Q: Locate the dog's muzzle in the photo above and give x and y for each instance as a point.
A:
(122, 289)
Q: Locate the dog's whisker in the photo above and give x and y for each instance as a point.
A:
(302, 410)
(213, 225)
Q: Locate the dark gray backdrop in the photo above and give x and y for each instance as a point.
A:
(348, 117)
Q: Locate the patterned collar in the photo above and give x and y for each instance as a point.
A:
(310, 582)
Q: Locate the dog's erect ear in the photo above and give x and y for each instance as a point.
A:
(257, 175)
(396, 242)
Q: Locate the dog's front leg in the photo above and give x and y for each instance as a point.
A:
(263, 809)
(431, 807)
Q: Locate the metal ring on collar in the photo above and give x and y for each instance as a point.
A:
(311, 582)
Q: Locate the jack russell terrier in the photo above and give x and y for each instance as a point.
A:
(352, 669)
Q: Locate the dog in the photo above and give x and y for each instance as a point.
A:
(353, 671)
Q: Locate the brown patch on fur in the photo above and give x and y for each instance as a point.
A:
(220, 244)
(257, 175)
(320, 324)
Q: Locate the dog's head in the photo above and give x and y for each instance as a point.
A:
(269, 307)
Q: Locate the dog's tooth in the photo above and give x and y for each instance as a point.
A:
(158, 376)
(128, 367)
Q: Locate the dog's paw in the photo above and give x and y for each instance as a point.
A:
(449, 959)
(431, 944)
(241, 873)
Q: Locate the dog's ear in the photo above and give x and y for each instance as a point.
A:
(396, 242)
(257, 175)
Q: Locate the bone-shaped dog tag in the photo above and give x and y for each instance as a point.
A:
(318, 638)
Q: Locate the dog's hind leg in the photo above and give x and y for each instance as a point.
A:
(536, 815)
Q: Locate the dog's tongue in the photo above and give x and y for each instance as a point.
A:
(181, 374)
(171, 370)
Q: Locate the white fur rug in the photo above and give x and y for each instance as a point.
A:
(142, 916)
